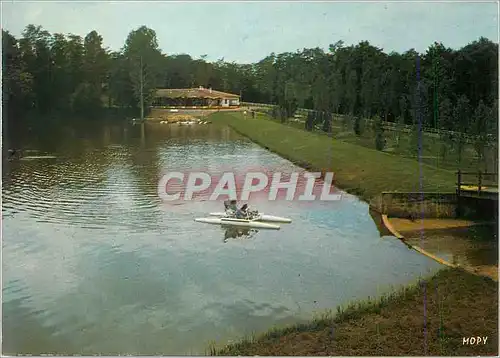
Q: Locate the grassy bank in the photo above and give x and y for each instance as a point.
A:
(429, 318)
(434, 150)
(358, 170)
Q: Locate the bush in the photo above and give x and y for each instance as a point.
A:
(327, 122)
(309, 121)
(357, 126)
(86, 99)
(346, 121)
(378, 129)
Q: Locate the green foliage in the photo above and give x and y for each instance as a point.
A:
(378, 129)
(480, 128)
(278, 113)
(462, 115)
(327, 122)
(86, 99)
(309, 125)
(401, 121)
(357, 125)
(416, 138)
(95, 60)
(347, 121)
(283, 114)
(144, 61)
(17, 83)
(52, 72)
(445, 120)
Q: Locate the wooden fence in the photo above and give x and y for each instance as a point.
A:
(392, 126)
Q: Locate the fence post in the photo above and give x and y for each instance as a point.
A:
(459, 201)
(479, 184)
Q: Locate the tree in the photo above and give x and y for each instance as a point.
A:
(143, 60)
(351, 92)
(480, 129)
(378, 129)
(85, 100)
(75, 66)
(46, 72)
(327, 122)
(309, 125)
(60, 72)
(493, 133)
(36, 54)
(85, 69)
(462, 114)
(120, 85)
(17, 82)
(357, 125)
(336, 90)
(401, 119)
(419, 113)
(368, 90)
(95, 60)
(445, 122)
(347, 122)
(439, 75)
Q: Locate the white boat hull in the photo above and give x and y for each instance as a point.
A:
(238, 222)
(262, 217)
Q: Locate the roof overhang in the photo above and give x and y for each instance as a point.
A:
(194, 93)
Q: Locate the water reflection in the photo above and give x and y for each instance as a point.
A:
(232, 232)
(470, 246)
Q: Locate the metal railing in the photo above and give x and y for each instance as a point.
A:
(483, 180)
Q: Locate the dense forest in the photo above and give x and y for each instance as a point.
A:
(442, 88)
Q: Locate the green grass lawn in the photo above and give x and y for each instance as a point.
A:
(358, 170)
(434, 151)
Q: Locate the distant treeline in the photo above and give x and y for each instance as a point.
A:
(441, 88)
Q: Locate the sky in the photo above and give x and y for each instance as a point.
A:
(248, 31)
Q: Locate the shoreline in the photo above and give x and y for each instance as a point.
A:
(395, 324)
(413, 234)
(353, 179)
(459, 285)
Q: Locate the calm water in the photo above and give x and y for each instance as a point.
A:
(94, 262)
(475, 246)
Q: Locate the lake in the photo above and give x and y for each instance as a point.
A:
(95, 263)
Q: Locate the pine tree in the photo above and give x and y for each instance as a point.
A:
(378, 129)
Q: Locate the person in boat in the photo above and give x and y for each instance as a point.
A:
(242, 213)
(230, 205)
(243, 210)
(233, 206)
